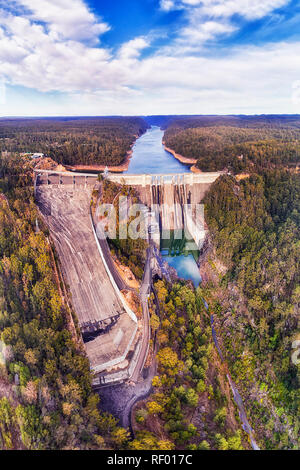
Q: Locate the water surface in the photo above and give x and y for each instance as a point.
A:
(185, 266)
(150, 157)
(181, 258)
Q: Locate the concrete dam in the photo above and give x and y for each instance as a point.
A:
(115, 334)
(174, 201)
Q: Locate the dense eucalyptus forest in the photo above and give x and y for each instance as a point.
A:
(46, 398)
(253, 278)
(237, 144)
(71, 141)
(250, 267)
(191, 406)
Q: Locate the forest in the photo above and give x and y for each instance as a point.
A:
(46, 398)
(254, 230)
(238, 144)
(86, 141)
(251, 281)
(129, 251)
(191, 406)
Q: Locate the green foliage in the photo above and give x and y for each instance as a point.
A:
(204, 445)
(168, 361)
(191, 397)
(130, 252)
(7, 423)
(232, 443)
(254, 225)
(93, 141)
(141, 415)
(237, 143)
(182, 362)
(220, 416)
(52, 405)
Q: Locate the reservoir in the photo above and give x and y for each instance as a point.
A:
(150, 157)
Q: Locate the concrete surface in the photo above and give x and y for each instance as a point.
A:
(66, 210)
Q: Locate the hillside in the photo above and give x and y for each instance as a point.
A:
(254, 230)
(46, 398)
(73, 141)
(237, 143)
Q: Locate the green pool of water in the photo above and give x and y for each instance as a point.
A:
(181, 258)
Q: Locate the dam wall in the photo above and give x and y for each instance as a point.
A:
(148, 180)
(167, 194)
(174, 200)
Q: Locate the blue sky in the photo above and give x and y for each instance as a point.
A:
(149, 57)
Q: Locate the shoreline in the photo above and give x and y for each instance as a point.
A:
(123, 167)
(194, 169)
(181, 158)
(113, 168)
(98, 168)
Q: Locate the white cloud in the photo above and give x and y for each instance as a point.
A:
(196, 33)
(250, 9)
(207, 20)
(167, 5)
(65, 19)
(32, 56)
(48, 57)
(249, 80)
(133, 48)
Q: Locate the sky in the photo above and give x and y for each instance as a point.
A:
(144, 57)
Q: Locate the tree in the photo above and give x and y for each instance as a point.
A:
(156, 382)
(235, 442)
(201, 386)
(154, 408)
(221, 442)
(147, 441)
(191, 397)
(220, 416)
(154, 322)
(168, 360)
(204, 445)
(120, 438)
(141, 415)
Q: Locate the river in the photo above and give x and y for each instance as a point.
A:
(150, 157)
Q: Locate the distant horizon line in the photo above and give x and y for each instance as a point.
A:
(43, 116)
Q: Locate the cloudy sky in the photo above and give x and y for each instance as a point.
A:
(134, 57)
